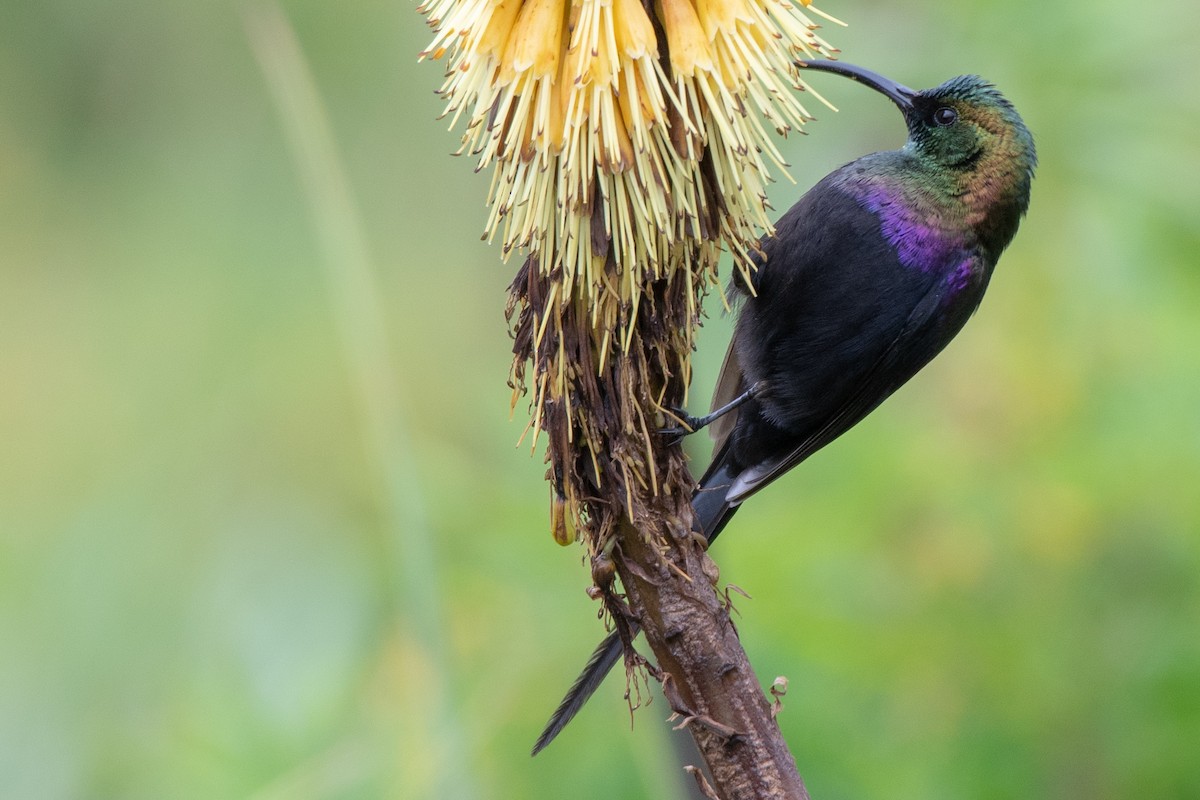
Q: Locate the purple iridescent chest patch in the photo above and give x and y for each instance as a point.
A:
(914, 230)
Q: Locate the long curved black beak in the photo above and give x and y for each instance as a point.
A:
(898, 93)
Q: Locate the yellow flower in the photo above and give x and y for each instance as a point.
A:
(627, 141)
(569, 99)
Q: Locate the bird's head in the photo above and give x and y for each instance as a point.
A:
(966, 131)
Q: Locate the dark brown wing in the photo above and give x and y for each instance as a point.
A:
(730, 384)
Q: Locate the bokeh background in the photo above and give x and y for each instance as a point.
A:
(265, 532)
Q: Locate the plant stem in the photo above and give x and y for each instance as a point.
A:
(707, 678)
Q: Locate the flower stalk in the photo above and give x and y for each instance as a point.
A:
(630, 144)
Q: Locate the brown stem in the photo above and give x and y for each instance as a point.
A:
(707, 678)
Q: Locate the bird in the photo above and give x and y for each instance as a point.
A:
(865, 279)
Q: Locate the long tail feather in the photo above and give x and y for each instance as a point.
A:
(598, 666)
(712, 512)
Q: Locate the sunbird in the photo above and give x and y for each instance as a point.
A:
(866, 278)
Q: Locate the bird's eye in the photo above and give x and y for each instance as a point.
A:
(945, 116)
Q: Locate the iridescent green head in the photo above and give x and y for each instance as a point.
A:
(972, 142)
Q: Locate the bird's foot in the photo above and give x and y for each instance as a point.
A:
(686, 424)
(689, 424)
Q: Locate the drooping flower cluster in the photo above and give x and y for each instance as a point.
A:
(628, 142)
(594, 137)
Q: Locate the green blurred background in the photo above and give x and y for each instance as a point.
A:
(264, 531)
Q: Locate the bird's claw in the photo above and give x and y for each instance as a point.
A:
(687, 424)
